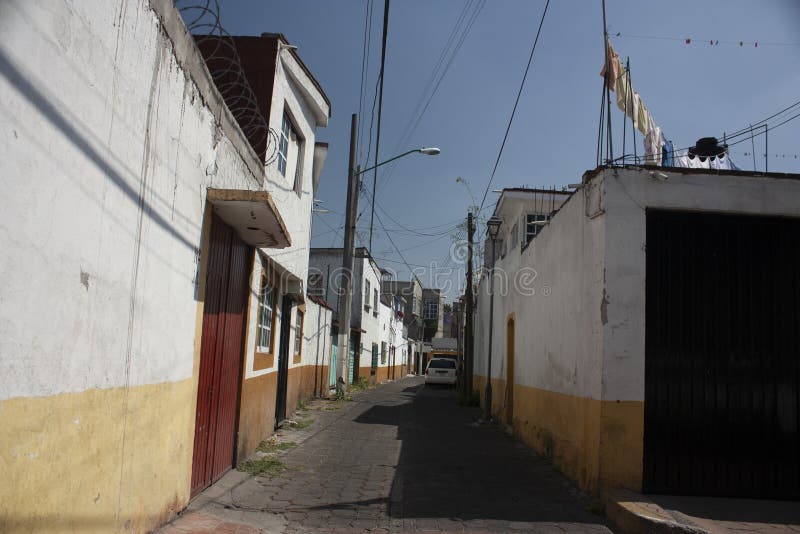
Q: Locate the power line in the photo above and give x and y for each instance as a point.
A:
(364, 69)
(380, 113)
(516, 102)
(437, 75)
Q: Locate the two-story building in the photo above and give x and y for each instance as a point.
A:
(411, 293)
(325, 278)
(154, 325)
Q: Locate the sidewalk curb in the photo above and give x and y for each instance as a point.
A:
(634, 513)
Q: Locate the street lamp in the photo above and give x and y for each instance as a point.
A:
(346, 297)
(492, 228)
(428, 151)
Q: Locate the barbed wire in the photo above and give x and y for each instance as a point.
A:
(202, 18)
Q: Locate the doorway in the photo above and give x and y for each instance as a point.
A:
(334, 358)
(283, 360)
(221, 350)
(510, 371)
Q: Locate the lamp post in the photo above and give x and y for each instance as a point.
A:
(353, 187)
(492, 228)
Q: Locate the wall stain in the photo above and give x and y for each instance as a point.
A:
(85, 279)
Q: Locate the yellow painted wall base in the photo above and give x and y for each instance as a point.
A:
(257, 409)
(102, 460)
(598, 444)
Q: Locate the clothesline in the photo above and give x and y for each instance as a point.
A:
(710, 42)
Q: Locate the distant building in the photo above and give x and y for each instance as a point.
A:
(432, 313)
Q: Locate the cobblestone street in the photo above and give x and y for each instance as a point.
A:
(398, 458)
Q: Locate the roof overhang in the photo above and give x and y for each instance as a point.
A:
(253, 215)
(289, 283)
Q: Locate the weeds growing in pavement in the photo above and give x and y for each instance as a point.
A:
(361, 385)
(270, 446)
(263, 466)
(300, 424)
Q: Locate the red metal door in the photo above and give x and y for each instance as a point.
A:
(220, 355)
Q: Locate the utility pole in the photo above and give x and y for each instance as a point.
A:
(380, 112)
(346, 292)
(468, 345)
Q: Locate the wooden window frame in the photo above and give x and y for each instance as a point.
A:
(266, 359)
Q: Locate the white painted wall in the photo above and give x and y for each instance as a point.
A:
(108, 147)
(582, 330)
(317, 335)
(554, 289)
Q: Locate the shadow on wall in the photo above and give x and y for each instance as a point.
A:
(29, 89)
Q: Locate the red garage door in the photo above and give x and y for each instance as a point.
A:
(222, 342)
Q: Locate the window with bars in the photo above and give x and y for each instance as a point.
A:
(366, 294)
(266, 317)
(375, 302)
(298, 332)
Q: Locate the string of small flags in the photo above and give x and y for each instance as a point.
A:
(710, 42)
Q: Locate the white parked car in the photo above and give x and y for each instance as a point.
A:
(441, 371)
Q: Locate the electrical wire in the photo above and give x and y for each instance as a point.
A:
(364, 69)
(514, 109)
(449, 52)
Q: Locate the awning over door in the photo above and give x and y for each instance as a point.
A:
(253, 215)
(290, 284)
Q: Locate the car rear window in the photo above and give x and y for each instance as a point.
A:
(442, 364)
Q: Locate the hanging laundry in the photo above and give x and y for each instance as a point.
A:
(667, 154)
(652, 146)
(642, 122)
(613, 66)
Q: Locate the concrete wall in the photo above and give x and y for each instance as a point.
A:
(576, 297)
(553, 292)
(112, 132)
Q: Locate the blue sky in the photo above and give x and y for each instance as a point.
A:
(693, 91)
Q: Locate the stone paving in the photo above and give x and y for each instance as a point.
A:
(397, 458)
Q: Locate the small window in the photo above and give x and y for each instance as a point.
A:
(298, 333)
(283, 143)
(366, 294)
(266, 316)
(375, 302)
(290, 152)
(534, 223)
(431, 310)
(316, 286)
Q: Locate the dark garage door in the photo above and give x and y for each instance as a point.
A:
(722, 352)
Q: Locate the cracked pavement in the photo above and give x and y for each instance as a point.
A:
(398, 458)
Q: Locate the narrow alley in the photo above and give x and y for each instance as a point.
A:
(403, 457)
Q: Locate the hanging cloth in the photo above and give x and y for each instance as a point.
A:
(613, 65)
